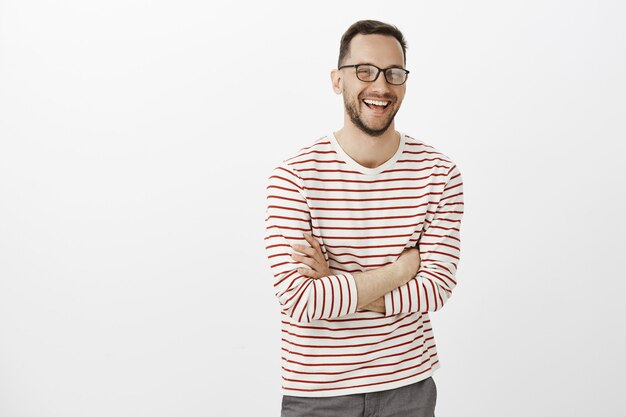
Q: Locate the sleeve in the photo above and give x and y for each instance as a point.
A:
(287, 216)
(440, 249)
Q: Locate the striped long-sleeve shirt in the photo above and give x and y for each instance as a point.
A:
(363, 219)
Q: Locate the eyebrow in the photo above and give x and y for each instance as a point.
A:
(391, 66)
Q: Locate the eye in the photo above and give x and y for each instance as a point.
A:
(366, 72)
(396, 75)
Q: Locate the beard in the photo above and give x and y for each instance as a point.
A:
(352, 108)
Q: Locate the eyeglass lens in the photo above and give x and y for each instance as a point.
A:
(369, 73)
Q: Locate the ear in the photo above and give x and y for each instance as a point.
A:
(336, 81)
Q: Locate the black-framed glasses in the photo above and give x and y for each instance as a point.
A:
(369, 73)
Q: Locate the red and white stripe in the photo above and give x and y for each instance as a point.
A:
(363, 219)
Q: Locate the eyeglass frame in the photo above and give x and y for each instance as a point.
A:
(383, 70)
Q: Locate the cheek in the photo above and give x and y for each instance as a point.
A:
(351, 91)
(401, 95)
(399, 100)
(351, 96)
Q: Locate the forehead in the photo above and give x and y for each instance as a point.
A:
(381, 50)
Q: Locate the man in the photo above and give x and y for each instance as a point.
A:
(344, 218)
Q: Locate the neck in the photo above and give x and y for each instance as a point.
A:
(369, 151)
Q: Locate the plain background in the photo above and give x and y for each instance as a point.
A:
(136, 139)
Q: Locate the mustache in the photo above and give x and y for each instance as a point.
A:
(389, 97)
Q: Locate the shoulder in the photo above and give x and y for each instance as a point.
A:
(425, 151)
(318, 149)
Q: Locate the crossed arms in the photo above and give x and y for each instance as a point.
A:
(416, 281)
(371, 285)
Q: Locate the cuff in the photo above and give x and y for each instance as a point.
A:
(352, 293)
(388, 304)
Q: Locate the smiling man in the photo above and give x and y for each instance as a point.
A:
(363, 239)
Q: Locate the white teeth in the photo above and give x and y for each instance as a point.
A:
(376, 102)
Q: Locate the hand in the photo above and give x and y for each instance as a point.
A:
(314, 258)
(409, 262)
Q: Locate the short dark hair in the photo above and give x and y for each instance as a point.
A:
(368, 27)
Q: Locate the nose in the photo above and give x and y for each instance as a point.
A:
(380, 84)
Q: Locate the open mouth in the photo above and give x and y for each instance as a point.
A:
(376, 104)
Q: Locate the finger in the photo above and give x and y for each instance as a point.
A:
(318, 260)
(316, 251)
(308, 272)
(310, 262)
(302, 259)
(309, 238)
(314, 254)
(307, 250)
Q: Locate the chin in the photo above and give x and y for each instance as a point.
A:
(373, 132)
(376, 130)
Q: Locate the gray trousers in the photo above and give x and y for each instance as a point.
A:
(414, 400)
